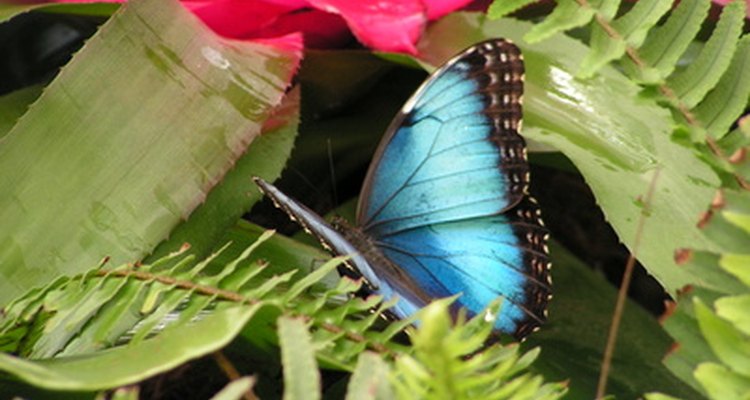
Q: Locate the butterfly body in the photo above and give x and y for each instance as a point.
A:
(444, 209)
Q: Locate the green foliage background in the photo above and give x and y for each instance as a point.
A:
(630, 94)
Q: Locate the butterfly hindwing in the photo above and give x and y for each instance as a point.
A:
(481, 258)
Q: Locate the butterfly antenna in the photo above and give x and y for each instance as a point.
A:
(332, 171)
(304, 180)
(622, 295)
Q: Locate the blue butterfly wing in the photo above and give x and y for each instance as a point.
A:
(453, 152)
(481, 258)
(444, 208)
(445, 198)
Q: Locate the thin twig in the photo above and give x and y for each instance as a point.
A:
(231, 372)
(230, 296)
(188, 285)
(623, 292)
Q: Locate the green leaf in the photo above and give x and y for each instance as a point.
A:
(370, 380)
(236, 192)
(705, 71)
(301, 375)
(129, 364)
(610, 133)
(690, 347)
(13, 105)
(705, 267)
(631, 28)
(8, 11)
(737, 265)
(729, 99)
(573, 339)
(726, 342)
(722, 383)
(604, 49)
(666, 43)
(88, 173)
(126, 393)
(568, 14)
(501, 8)
(734, 309)
(447, 363)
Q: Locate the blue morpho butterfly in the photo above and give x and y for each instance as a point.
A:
(444, 208)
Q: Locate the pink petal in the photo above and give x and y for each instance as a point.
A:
(320, 29)
(291, 3)
(236, 18)
(291, 43)
(389, 25)
(439, 8)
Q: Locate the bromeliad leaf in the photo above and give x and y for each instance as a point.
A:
(88, 173)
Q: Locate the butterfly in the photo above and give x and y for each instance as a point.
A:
(444, 208)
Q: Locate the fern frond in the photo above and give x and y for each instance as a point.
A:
(653, 62)
(501, 8)
(449, 362)
(610, 41)
(705, 71)
(128, 309)
(441, 369)
(665, 44)
(301, 375)
(728, 99)
(712, 325)
(567, 15)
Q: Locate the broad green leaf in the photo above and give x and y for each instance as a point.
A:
(9, 10)
(609, 133)
(370, 380)
(301, 375)
(666, 43)
(13, 105)
(88, 173)
(129, 364)
(729, 99)
(236, 193)
(692, 84)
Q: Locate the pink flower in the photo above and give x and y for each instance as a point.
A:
(387, 25)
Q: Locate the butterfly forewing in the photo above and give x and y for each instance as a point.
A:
(453, 152)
